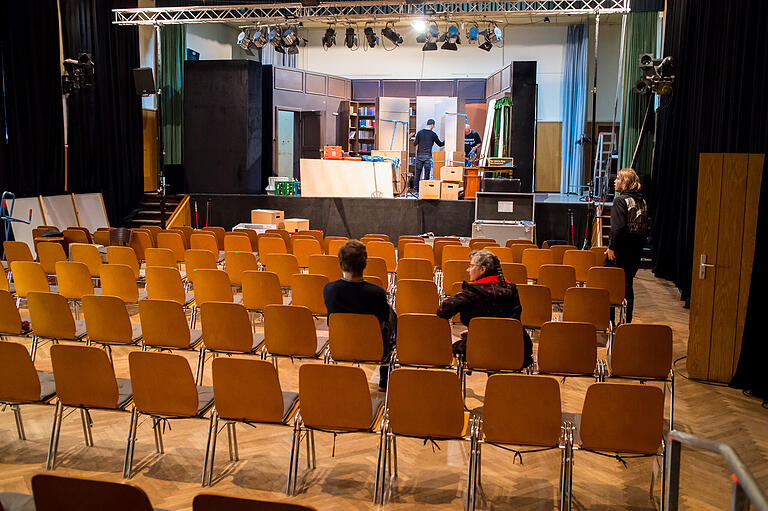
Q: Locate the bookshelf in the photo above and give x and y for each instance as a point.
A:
(366, 127)
(348, 127)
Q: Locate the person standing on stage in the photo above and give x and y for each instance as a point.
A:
(472, 141)
(629, 227)
(424, 140)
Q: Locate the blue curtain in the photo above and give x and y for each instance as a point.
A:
(574, 109)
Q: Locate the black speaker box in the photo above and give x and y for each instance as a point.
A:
(522, 134)
(143, 80)
(222, 126)
(501, 184)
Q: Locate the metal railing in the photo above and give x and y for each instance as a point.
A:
(745, 488)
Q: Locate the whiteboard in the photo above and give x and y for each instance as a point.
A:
(21, 231)
(90, 210)
(60, 211)
(345, 178)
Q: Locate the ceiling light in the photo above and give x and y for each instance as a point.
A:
(451, 38)
(389, 32)
(419, 26)
(350, 39)
(329, 39)
(370, 36)
(430, 38)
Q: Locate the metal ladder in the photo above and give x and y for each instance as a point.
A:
(600, 173)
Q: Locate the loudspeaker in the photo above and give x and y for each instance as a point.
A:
(522, 132)
(144, 81)
(501, 184)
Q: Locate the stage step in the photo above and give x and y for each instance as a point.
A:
(148, 211)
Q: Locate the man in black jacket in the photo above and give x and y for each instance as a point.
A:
(424, 140)
(629, 227)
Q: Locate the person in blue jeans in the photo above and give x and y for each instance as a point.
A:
(424, 140)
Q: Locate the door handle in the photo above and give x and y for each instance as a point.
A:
(703, 265)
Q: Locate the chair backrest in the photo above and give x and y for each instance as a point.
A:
(567, 347)
(558, 278)
(118, 280)
(84, 376)
(238, 262)
(162, 384)
(261, 288)
(58, 493)
(408, 268)
(103, 236)
(581, 260)
(284, 235)
(174, 241)
(384, 250)
(610, 278)
(376, 281)
(515, 273)
(454, 273)
(374, 237)
(271, 245)
(622, 417)
(49, 253)
(517, 251)
(402, 241)
(165, 284)
(495, 344)
(74, 236)
(289, 330)
(10, 319)
(212, 286)
(559, 250)
(18, 377)
(87, 254)
(599, 253)
(355, 337)
(479, 243)
(218, 233)
(29, 277)
(425, 403)
(74, 279)
(588, 305)
(455, 253)
(420, 251)
(424, 340)
(124, 255)
(537, 305)
(84, 230)
(153, 231)
(160, 257)
(507, 394)
(106, 319)
(284, 265)
(253, 238)
(4, 284)
(327, 265)
(439, 244)
(510, 243)
(204, 240)
(307, 291)
(641, 351)
(533, 258)
(50, 315)
(119, 236)
(195, 259)
(305, 247)
(186, 233)
(332, 244)
(163, 323)
(503, 253)
(247, 389)
(140, 241)
(238, 241)
(317, 234)
(377, 267)
(212, 502)
(416, 296)
(17, 251)
(226, 327)
(334, 397)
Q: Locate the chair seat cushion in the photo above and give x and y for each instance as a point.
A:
(16, 502)
(204, 399)
(194, 337)
(47, 385)
(124, 392)
(290, 400)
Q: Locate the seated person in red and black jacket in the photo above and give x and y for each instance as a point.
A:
(487, 294)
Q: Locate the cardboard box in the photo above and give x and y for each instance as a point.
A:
(429, 189)
(442, 159)
(296, 224)
(449, 191)
(332, 152)
(452, 174)
(267, 216)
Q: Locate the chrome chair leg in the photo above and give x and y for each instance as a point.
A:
(53, 444)
(85, 419)
(19, 422)
(128, 461)
(209, 449)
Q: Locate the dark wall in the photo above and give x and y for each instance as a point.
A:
(471, 90)
(223, 126)
(522, 131)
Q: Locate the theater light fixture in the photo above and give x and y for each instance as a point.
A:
(329, 39)
(370, 37)
(289, 37)
(350, 39)
(275, 39)
(260, 38)
(430, 37)
(472, 34)
(389, 33)
(244, 41)
(451, 38)
(419, 26)
(493, 36)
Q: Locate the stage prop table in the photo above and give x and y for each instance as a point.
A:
(345, 178)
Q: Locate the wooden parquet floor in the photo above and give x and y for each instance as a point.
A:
(428, 479)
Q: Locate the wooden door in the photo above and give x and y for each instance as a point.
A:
(726, 222)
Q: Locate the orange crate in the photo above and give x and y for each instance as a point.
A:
(333, 152)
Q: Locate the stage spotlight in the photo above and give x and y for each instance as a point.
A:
(451, 38)
(419, 26)
(244, 41)
(350, 39)
(492, 37)
(472, 34)
(259, 38)
(430, 38)
(370, 36)
(329, 39)
(389, 32)
(289, 37)
(546, 19)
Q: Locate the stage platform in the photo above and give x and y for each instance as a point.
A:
(354, 217)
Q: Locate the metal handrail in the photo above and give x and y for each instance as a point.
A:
(745, 488)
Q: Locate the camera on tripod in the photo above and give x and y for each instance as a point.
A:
(78, 74)
(656, 77)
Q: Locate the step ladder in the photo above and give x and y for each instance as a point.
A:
(600, 174)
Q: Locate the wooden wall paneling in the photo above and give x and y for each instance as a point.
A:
(315, 84)
(337, 87)
(149, 131)
(400, 88)
(751, 205)
(365, 90)
(506, 78)
(471, 89)
(437, 88)
(703, 290)
(289, 79)
(548, 156)
(493, 86)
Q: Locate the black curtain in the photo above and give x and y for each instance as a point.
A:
(719, 105)
(104, 125)
(32, 156)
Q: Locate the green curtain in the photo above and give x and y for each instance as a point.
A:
(501, 130)
(173, 47)
(640, 37)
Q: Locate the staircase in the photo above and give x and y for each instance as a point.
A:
(148, 212)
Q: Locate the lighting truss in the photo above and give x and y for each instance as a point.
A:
(364, 10)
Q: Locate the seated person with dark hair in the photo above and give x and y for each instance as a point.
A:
(354, 295)
(488, 294)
